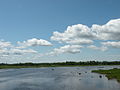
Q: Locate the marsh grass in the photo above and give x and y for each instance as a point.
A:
(110, 74)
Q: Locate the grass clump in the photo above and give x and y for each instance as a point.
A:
(110, 74)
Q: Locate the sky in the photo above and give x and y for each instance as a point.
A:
(59, 30)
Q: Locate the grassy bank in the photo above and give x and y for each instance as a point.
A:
(110, 74)
(39, 66)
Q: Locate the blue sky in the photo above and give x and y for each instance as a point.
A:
(31, 21)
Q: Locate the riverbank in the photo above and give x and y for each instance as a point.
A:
(58, 64)
(110, 74)
(40, 66)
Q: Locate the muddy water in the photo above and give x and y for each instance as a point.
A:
(56, 78)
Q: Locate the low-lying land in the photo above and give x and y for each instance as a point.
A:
(110, 74)
(57, 64)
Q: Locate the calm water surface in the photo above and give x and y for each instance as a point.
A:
(56, 78)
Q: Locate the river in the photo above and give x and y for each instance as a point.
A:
(56, 78)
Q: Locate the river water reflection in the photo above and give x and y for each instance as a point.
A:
(56, 78)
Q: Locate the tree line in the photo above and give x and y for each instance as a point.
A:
(65, 63)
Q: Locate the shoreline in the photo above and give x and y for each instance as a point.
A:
(41, 66)
(110, 74)
(58, 64)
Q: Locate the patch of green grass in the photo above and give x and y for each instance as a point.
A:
(110, 74)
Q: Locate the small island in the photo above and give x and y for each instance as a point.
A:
(110, 74)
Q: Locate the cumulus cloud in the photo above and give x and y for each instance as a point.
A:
(109, 31)
(66, 49)
(6, 48)
(81, 34)
(75, 34)
(4, 44)
(102, 48)
(112, 44)
(34, 42)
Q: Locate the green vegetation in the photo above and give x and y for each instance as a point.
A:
(110, 74)
(57, 64)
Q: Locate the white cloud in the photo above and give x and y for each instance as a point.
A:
(22, 51)
(80, 34)
(6, 48)
(66, 49)
(14, 51)
(79, 41)
(4, 44)
(34, 42)
(108, 31)
(102, 48)
(4, 51)
(112, 44)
